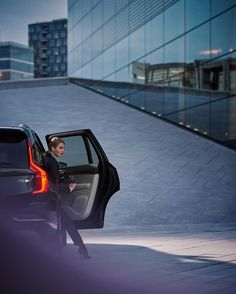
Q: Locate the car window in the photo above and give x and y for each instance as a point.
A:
(13, 149)
(38, 150)
(76, 153)
(93, 153)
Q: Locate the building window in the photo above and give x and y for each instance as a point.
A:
(55, 34)
(55, 51)
(58, 42)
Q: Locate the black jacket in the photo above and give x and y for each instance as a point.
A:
(51, 165)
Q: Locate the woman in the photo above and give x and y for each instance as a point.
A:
(56, 149)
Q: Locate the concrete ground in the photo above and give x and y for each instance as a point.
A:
(172, 259)
(171, 227)
(167, 175)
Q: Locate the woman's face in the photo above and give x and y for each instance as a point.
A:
(59, 150)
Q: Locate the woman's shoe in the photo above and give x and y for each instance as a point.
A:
(84, 253)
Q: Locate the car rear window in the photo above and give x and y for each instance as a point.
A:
(13, 149)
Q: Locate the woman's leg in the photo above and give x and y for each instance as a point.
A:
(68, 225)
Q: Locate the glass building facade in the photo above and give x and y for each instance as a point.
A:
(49, 40)
(16, 61)
(175, 59)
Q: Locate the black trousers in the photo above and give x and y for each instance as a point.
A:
(67, 225)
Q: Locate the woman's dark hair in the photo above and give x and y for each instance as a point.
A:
(54, 142)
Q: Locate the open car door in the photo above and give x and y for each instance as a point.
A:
(97, 179)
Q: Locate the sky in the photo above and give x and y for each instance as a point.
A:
(15, 15)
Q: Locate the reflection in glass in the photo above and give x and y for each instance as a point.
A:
(138, 99)
(122, 53)
(223, 33)
(86, 71)
(232, 122)
(232, 77)
(109, 61)
(198, 44)
(218, 6)
(154, 72)
(97, 68)
(123, 75)
(155, 100)
(197, 11)
(198, 118)
(137, 44)
(174, 60)
(220, 113)
(154, 33)
(174, 21)
(197, 74)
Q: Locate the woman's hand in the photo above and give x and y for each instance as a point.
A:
(72, 186)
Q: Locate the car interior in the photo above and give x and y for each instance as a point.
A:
(85, 173)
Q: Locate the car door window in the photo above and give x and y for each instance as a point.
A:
(37, 149)
(95, 159)
(76, 153)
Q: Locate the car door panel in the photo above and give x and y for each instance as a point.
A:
(82, 169)
(81, 200)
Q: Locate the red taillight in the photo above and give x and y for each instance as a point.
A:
(41, 179)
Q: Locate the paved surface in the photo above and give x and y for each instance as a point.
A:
(194, 259)
(167, 174)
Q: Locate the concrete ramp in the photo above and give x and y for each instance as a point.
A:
(168, 175)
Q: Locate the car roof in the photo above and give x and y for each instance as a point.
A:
(20, 127)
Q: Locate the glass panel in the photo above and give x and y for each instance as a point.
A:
(232, 76)
(97, 68)
(154, 33)
(109, 61)
(154, 67)
(155, 100)
(221, 75)
(13, 150)
(75, 151)
(151, 69)
(218, 6)
(122, 53)
(122, 90)
(58, 42)
(51, 43)
(174, 21)
(220, 119)
(173, 71)
(86, 71)
(223, 33)
(198, 45)
(110, 87)
(197, 11)
(196, 118)
(109, 9)
(138, 72)
(96, 43)
(137, 44)
(138, 99)
(174, 63)
(197, 75)
(123, 75)
(232, 123)
(94, 154)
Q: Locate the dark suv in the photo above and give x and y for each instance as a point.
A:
(24, 182)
